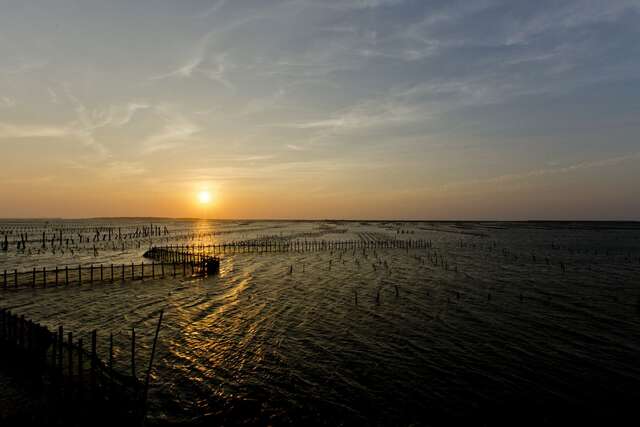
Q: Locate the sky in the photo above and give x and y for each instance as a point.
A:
(354, 109)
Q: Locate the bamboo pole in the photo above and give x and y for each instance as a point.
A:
(146, 380)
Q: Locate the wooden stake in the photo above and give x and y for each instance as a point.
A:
(133, 353)
(146, 381)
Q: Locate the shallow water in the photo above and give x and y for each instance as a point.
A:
(423, 344)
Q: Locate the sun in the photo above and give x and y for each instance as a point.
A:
(204, 197)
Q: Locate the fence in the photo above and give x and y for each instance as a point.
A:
(185, 260)
(75, 372)
(82, 275)
(283, 245)
(203, 264)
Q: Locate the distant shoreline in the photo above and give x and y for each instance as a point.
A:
(446, 221)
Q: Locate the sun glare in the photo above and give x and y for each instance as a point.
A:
(204, 197)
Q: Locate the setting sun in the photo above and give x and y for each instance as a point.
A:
(204, 197)
(293, 203)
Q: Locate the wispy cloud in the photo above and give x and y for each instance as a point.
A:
(123, 169)
(53, 96)
(214, 69)
(176, 130)
(537, 173)
(86, 123)
(7, 102)
(112, 169)
(359, 4)
(213, 9)
(122, 116)
(273, 171)
(81, 127)
(372, 114)
(571, 15)
(242, 90)
(9, 131)
(22, 66)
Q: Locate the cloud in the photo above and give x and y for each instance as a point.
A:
(86, 123)
(122, 116)
(273, 171)
(215, 69)
(112, 170)
(213, 9)
(9, 131)
(309, 80)
(569, 16)
(122, 169)
(251, 158)
(369, 115)
(7, 102)
(186, 70)
(22, 67)
(359, 4)
(558, 170)
(176, 130)
(269, 102)
(53, 96)
(82, 127)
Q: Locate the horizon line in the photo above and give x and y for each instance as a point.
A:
(307, 219)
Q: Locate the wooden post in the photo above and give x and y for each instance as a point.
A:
(66, 275)
(80, 351)
(15, 278)
(94, 359)
(20, 334)
(146, 380)
(44, 277)
(111, 362)
(54, 356)
(60, 346)
(70, 352)
(33, 280)
(110, 353)
(133, 352)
